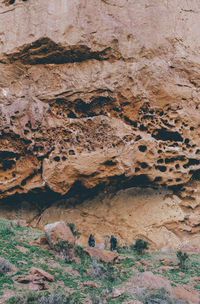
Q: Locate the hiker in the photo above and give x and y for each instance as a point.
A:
(91, 241)
(113, 243)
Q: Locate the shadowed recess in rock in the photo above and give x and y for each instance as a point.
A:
(46, 51)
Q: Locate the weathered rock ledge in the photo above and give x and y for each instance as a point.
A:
(94, 91)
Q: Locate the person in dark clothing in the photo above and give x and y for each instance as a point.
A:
(91, 241)
(113, 243)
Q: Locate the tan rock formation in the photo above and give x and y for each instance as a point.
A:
(41, 273)
(58, 231)
(102, 255)
(101, 90)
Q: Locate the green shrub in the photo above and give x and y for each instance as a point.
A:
(6, 231)
(183, 258)
(55, 297)
(140, 246)
(105, 271)
(29, 297)
(75, 233)
(64, 249)
(156, 296)
(122, 249)
(59, 298)
(97, 298)
(79, 251)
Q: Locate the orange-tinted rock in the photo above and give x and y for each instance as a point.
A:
(138, 264)
(166, 262)
(42, 240)
(41, 273)
(144, 263)
(102, 255)
(58, 231)
(90, 284)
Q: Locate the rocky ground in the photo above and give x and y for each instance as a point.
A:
(31, 272)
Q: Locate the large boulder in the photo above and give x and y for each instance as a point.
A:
(102, 255)
(58, 231)
(181, 293)
(152, 281)
(6, 267)
(60, 238)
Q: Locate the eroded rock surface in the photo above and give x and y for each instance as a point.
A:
(94, 91)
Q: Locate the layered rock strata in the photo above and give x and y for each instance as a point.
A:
(91, 91)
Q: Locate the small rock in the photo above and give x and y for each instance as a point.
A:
(165, 268)
(120, 258)
(196, 279)
(77, 260)
(116, 293)
(138, 264)
(22, 262)
(22, 249)
(144, 263)
(91, 284)
(42, 240)
(166, 262)
(41, 261)
(24, 279)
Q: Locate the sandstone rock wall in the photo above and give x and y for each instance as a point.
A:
(93, 90)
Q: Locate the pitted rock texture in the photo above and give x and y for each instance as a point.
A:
(98, 89)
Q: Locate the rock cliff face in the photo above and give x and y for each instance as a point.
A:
(102, 92)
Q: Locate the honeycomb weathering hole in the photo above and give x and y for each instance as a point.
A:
(142, 148)
(161, 168)
(57, 158)
(164, 135)
(144, 165)
(109, 163)
(71, 152)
